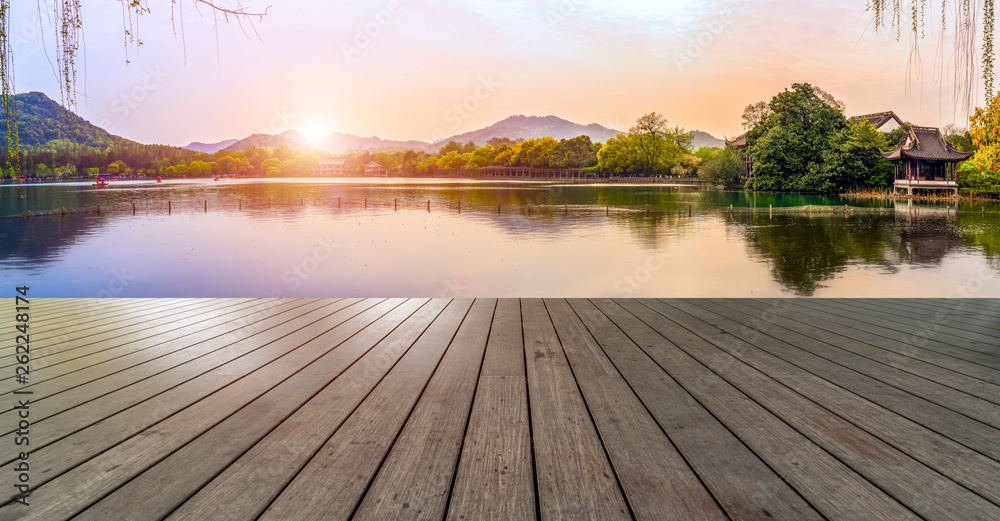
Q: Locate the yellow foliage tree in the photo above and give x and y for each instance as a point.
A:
(984, 129)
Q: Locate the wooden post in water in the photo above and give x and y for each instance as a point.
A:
(394, 205)
(607, 210)
(338, 202)
(498, 209)
(268, 203)
(428, 206)
(366, 203)
(98, 211)
(168, 208)
(241, 204)
(64, 210)
(206, 205)
(689, 210)
(770, 211)
(460, 207)
(647, 209)
(133, 209)
(566, 209)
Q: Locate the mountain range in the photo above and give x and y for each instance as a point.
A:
(41, 120)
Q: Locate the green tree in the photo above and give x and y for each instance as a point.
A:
(790, 147)
(482, 157)
(723, 168)
(271, 167)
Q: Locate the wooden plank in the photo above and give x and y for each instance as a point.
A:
(574, 477)
(889, 340)
(296, 406)
(903, 326)
(987, 323)
(657, 481)
(902, 360)
(332, 483)
(495, 475)
(833, 488)
(58, 362)
(101, 314)
(166, 393)
(814, 355)
(909, 313)
(948, 357)
(920, 488)
(80, 485)
(969, 468)
(54, 332)
(739, 480)
(417, 475)
(64, 394)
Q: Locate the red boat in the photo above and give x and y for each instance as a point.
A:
(158, 180)
(101, 183)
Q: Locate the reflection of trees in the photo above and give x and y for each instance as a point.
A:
(804, 252)
(42, 239)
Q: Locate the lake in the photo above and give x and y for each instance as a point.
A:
(377, 237)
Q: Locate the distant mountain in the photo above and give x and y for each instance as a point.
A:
(704, 139)
(41, 120)
(339, 142)
(528, 127)
(266, 141)
(210, 148)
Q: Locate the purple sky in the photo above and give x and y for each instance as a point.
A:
(426, 69)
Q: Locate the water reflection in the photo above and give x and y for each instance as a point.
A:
(526, 239)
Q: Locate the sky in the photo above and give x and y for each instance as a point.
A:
(426, 69)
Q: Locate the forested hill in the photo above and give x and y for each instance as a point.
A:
(41, 120)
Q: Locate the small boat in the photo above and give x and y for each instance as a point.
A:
(158, 179)
(216, 178)
(101, 183)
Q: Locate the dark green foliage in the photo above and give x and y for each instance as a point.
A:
(722, 168)
(806, 144)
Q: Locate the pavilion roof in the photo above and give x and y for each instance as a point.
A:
(928, 144)
(739, 141)
(877, 119)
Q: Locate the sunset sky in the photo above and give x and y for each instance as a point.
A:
(416, 69)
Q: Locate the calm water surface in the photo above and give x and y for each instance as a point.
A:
(290, 238)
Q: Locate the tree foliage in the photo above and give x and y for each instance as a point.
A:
(649, 148)
(806, 144)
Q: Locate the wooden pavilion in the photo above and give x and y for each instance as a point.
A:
(926, 161)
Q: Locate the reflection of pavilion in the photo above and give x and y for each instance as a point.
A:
(925, 161)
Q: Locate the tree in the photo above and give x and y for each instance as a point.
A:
(981, 171)
(271, 167)
(68, 29)
(649, 134)
(788, 147)
(723, 168)
(755, 114)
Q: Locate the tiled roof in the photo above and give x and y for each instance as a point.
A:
(878, 119)
(926, 143)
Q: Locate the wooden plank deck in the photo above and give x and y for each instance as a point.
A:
(245, 409)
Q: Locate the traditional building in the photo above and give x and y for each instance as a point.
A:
(374, 169)
(740, 143)
(884, 122)
(926, 161)
(329, 168)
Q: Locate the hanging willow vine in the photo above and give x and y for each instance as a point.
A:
(966, 13)
(11, 144)
(68, 25)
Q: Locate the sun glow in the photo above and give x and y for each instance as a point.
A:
(316, 130)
